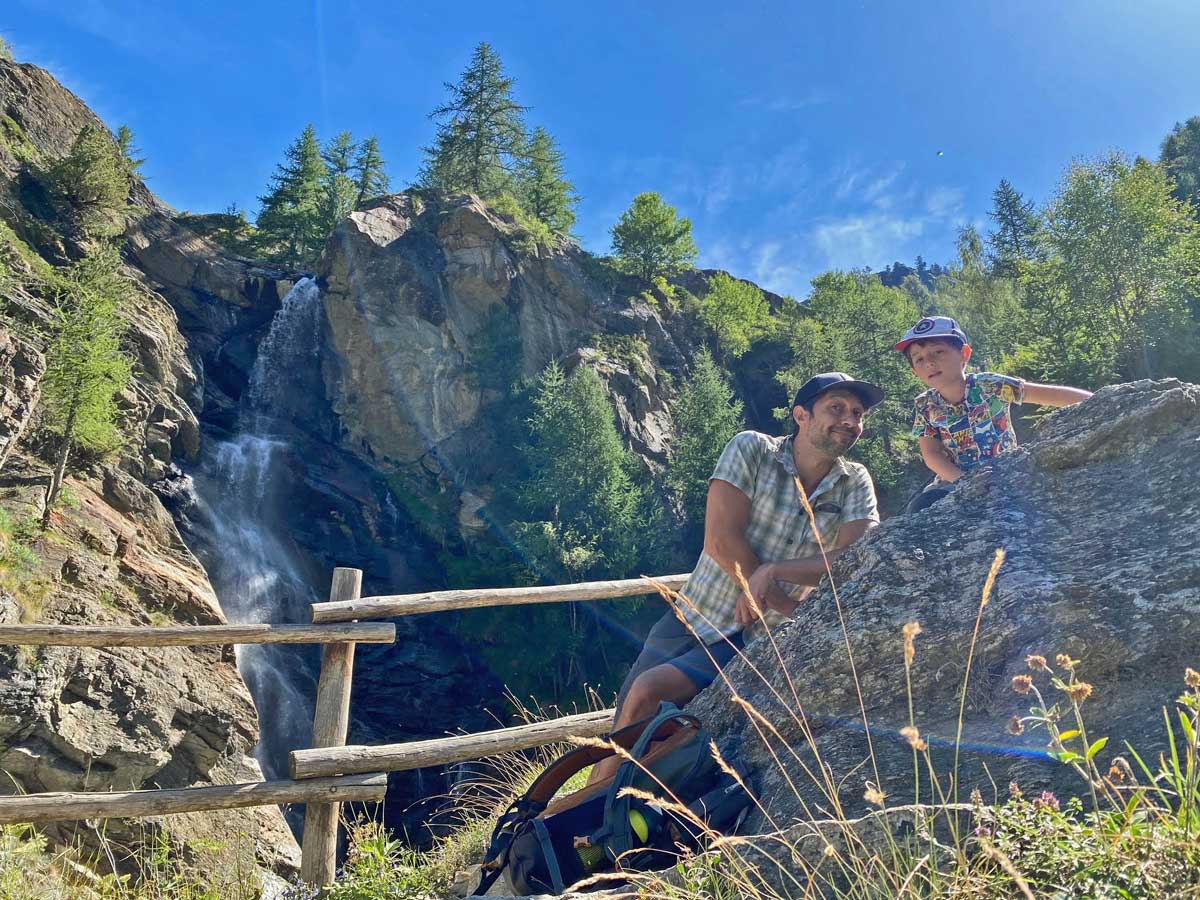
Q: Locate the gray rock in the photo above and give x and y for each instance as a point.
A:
(1098, 517)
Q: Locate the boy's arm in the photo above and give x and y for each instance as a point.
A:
(933, 451)
(1053, 394)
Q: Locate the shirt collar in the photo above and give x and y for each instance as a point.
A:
(838, 471)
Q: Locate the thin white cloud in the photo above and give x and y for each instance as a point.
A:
(785, 103)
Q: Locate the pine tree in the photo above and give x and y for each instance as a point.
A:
(370, 179)
(91, 182)
(650, 239)
(85, 366)
(481, 133)
(1181, 159)
(290, 225)
(1016, 234)
(544, 190)
(707, 415)
(131, 161)
(340, 190)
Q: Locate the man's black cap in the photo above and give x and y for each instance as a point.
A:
(869, 394)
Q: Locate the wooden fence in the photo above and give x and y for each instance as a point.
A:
(329, 773)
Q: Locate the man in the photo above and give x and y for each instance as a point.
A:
(755, 521)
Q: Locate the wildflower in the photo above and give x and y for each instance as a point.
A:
(983, 831)
(1079, 691)
(873, 795)
(910, 734)
(1036, 662)
(1191, 678)
(1064, 661)
(1047, 800)
(1015, 791)
(1016, 726)
(1022, 684)
(976, 797)
(911, 630)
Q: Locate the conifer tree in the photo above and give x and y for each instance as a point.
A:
(370, 179)
(129, 152)
(85, 366)
(707, 415)
(650, 239)
(481, 131)
(1016, 234)
(1181, 159)
(544, 190)
(290, 226)
(340, 188)
(91, 182)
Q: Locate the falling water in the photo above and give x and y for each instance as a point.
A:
(243, 484)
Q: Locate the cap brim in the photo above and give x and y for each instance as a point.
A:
(870, 394)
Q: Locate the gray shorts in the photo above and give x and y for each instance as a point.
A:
(669, 641)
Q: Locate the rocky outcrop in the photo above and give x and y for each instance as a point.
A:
(1098, 520)
(21, 368)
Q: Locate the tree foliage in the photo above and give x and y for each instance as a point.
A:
(707, 414)
(90, 184)
(545, 192)
(480, 138)
(339, 186)
(581, 503)
(651, 239)
(369, 175)
(736, 311)
(291, 227)
(1181, 159)
(988, 307)
(1016, 235)
(850, 323)
(85, 366)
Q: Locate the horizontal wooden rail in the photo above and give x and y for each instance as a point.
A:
(193, 635)
(439, 601)
(443, 751)
(132, 804)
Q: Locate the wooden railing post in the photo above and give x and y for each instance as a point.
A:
(330, 722)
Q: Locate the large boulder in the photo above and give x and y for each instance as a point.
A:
(1097, 516)
(21, 368)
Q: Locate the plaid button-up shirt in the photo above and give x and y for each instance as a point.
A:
(762, 468)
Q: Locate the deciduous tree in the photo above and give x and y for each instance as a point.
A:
(651, 239)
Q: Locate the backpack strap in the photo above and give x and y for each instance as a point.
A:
(615, 833)
(543, 789)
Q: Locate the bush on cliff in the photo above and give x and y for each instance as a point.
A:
(90, 184)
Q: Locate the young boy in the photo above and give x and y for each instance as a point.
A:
(964, 420)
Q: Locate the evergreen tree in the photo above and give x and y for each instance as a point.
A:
(340, 188)
(129, 157)
(1016, 234)
(6, 53)
(85, 366)
(370, 179)
(736, 311)
(707, 415)
(544, 190)
(1181, 158)
(580, 501)
(650, 239)
(481, 132)
(91, 182)
(290, 225)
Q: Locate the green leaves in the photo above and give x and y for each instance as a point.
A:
(736, 311)
(90, 184)
(651, 239)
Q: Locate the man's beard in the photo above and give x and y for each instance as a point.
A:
(830, 442)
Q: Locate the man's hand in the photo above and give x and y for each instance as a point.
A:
(760, 582)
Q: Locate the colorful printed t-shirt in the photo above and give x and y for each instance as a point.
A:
(979, 428)
(763, 468)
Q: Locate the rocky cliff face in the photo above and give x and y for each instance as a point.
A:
(1098, 520)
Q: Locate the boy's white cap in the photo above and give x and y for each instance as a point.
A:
(933, 327)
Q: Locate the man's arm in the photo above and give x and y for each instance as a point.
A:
(726, 517)
(937, 459)
(806, 570)
(1055, 395)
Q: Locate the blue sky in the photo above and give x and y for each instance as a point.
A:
(797, 136)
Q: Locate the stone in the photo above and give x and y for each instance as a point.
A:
(21, 369)
(1097, 516)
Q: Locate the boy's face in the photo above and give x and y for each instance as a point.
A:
(939, 364)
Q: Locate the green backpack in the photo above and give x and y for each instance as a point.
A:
(546, 844)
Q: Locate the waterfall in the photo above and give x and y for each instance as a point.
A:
(243, 484)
